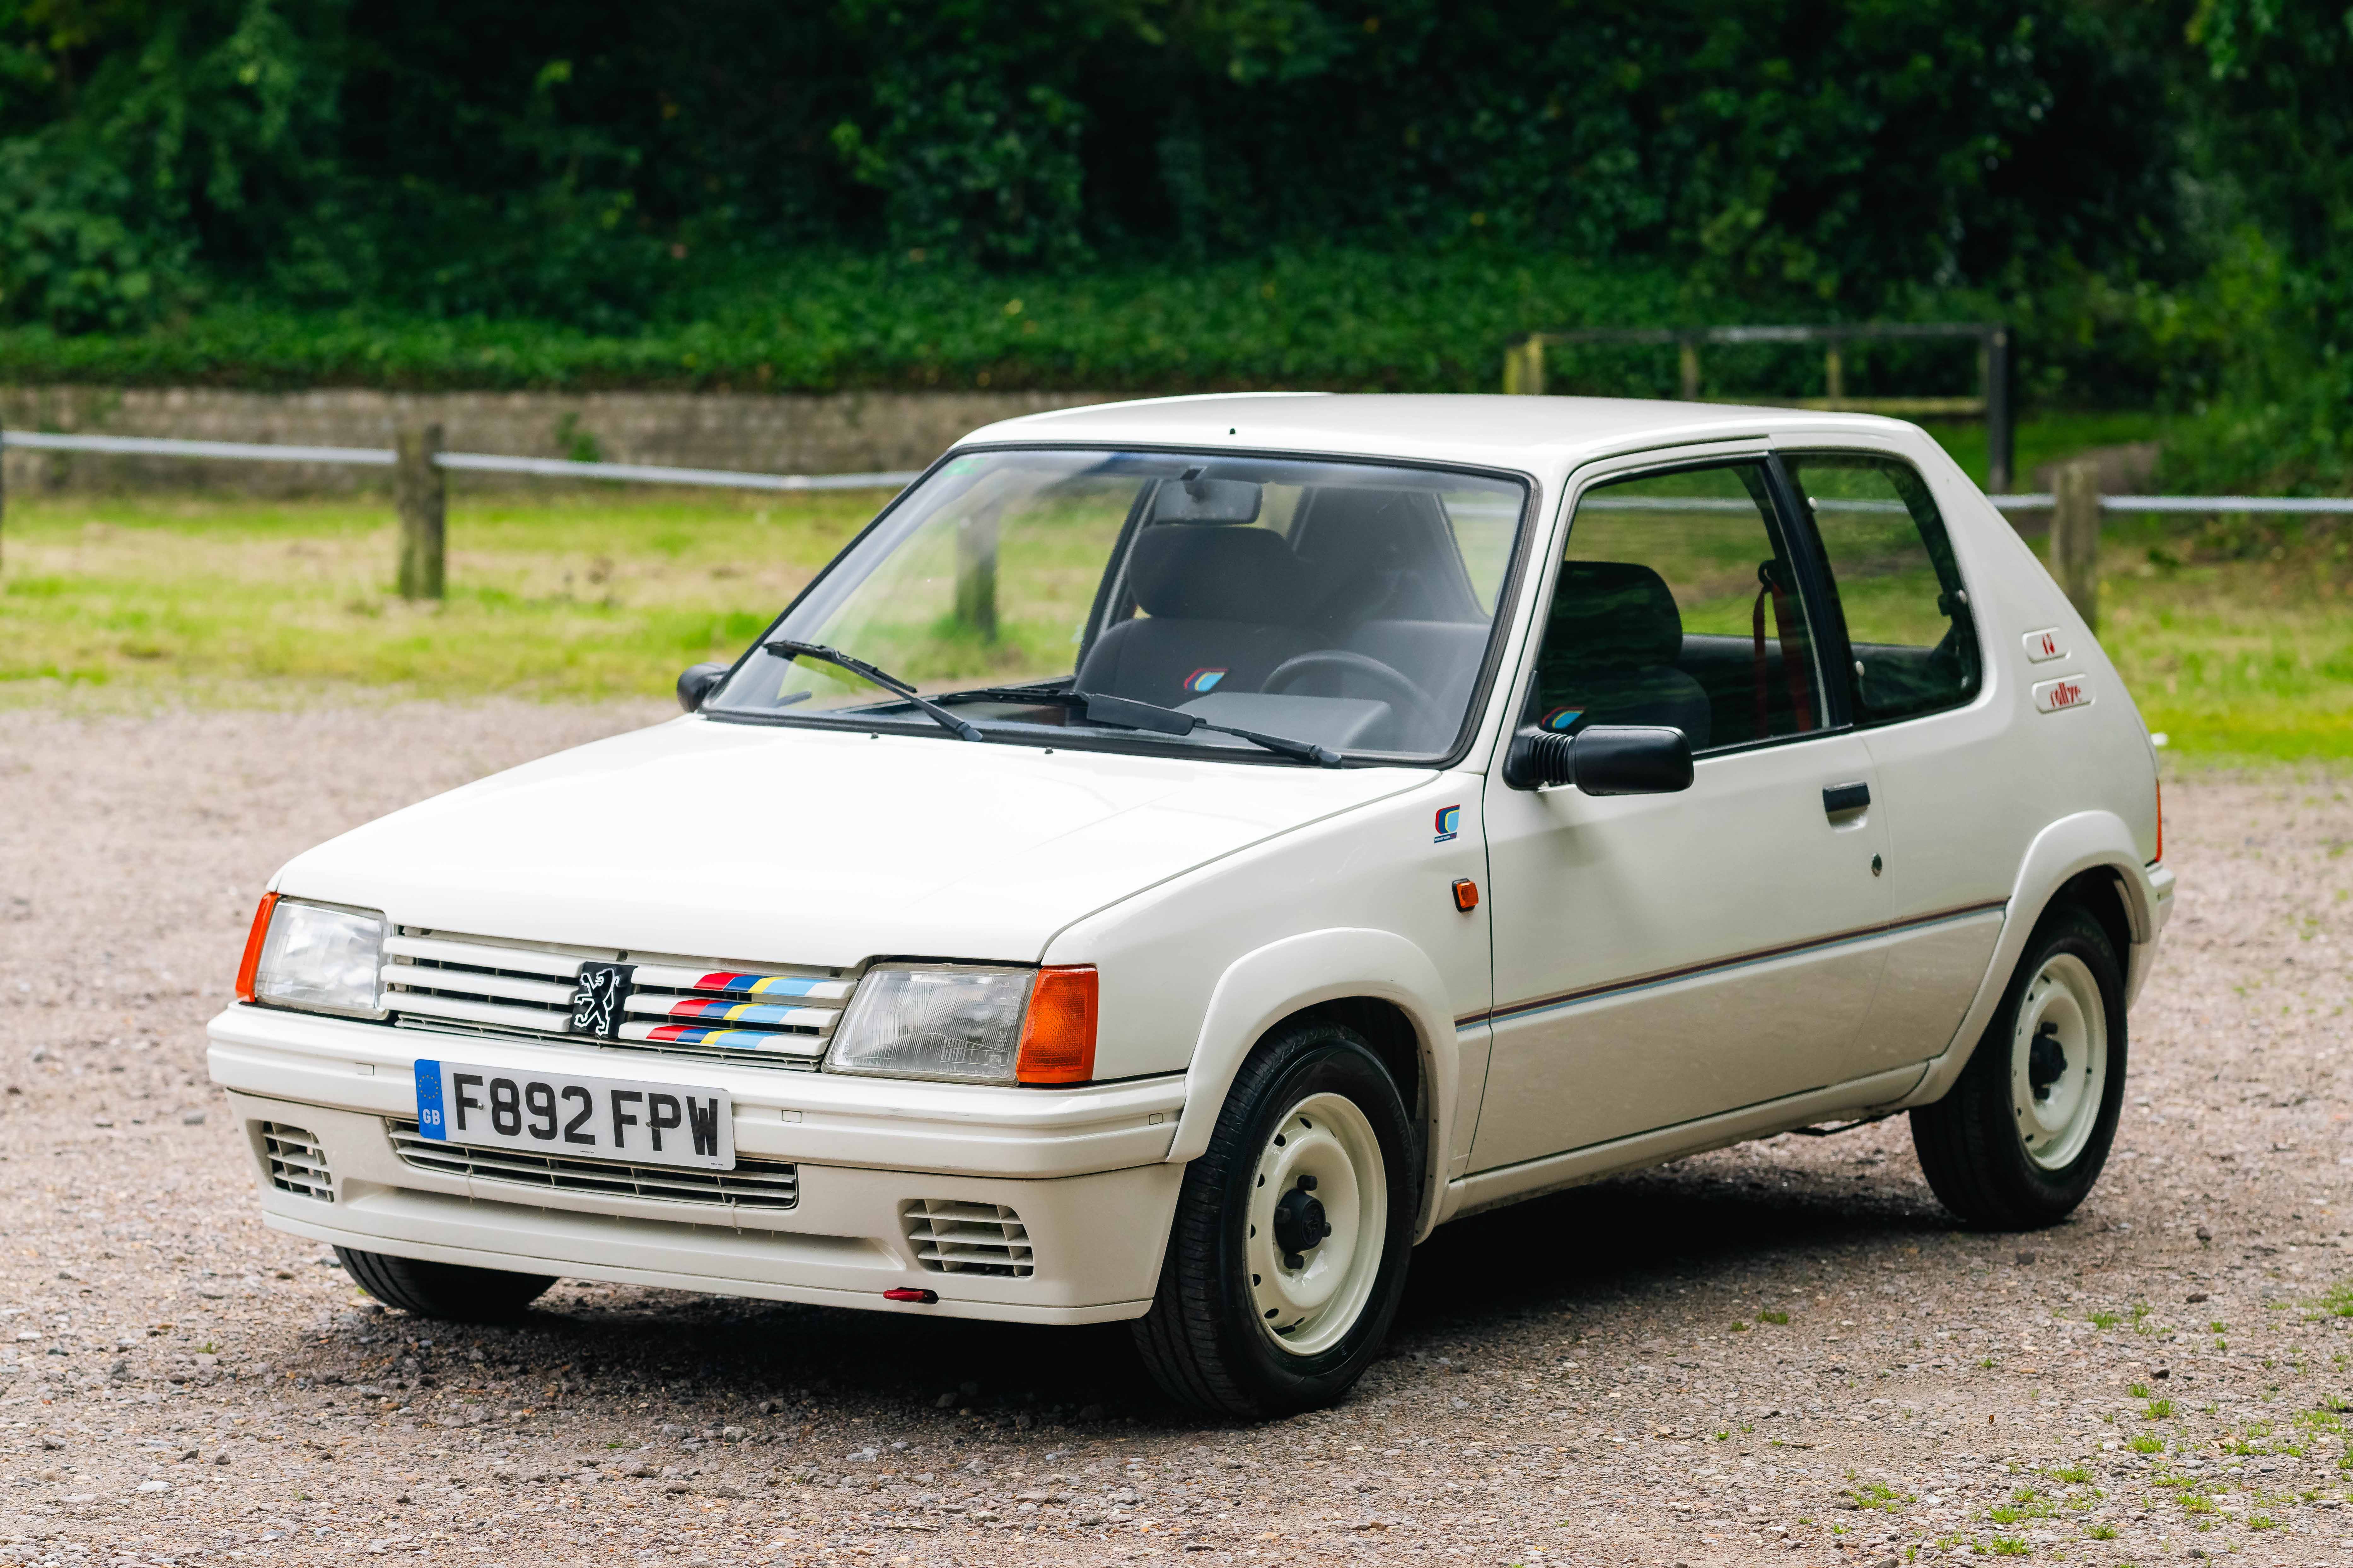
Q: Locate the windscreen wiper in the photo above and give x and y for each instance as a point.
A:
(1126, 713)
(784, 648)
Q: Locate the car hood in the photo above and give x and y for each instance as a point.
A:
(821, 848)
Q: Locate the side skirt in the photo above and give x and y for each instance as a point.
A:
(1533, 1178)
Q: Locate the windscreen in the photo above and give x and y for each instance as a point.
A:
(1345, 605)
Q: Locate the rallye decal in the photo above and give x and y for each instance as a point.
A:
(2044, 645)
(1204, 681)
(1449, 823)
(2057, 696)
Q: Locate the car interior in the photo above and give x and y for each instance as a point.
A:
(1358, 627)
(1615, 652)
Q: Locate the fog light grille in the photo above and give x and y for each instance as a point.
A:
(968, 1238)
(297, 1163)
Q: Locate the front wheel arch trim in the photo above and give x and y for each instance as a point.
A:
(1262, 989)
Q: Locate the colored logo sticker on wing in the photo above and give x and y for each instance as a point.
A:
(1449, 823)
(1563, 718)
(1205, 680)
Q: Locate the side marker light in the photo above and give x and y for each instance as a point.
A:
(903, 1293)
(1466, 894)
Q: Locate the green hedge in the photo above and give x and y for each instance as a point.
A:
(1338, 318)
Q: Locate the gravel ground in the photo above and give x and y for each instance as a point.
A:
(1778, 1352)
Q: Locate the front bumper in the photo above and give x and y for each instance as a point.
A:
(1085, 1171)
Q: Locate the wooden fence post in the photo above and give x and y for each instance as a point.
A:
(1524, 368)
(1687, 364)
(4, 508)
(420, 494)
(2000, 417)
(975, 580)
(2075, 540)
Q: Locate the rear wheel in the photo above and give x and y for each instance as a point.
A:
(2024, 1134)
(452, 1290)
(1288, 1250)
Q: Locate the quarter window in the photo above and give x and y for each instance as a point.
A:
(1677, 603)
(1895, 583)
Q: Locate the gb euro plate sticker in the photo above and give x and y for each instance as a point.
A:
(2044, 645)
(2067, 691)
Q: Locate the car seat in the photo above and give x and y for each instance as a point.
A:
(1610, 651)
(1223, 605)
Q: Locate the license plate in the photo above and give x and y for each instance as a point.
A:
(582, 1118)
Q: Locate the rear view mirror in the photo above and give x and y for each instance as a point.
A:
(697, 682)
(1605, 759)
(1193, 499)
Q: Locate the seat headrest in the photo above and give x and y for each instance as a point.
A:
(1217, 573)
(1613, 614)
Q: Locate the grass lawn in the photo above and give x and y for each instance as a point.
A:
(553, 594)
(2237, 641)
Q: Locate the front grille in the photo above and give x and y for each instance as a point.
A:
(751, 1184)
(297, 1163)
(487, 986)
(968, 1239)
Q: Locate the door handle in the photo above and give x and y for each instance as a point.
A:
(1839, 799)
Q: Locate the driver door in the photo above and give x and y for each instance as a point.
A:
(1663, 958)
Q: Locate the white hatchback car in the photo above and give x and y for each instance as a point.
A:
(1182, 852)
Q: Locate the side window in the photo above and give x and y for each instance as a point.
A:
(1894, 581)
(1677, 604)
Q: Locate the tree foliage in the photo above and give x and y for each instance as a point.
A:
(510, 158)
(2155, 189)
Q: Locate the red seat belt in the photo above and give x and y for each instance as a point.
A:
(1800, 703)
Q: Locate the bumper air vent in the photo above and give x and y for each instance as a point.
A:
(751, 1184)
(968, 1239)
(297, 1163)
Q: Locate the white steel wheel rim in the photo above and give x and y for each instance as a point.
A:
(1306, 1311)
(2061, 1004)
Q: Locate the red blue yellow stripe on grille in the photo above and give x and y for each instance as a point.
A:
(723, 1040)
(736, 983)
(773, 1014)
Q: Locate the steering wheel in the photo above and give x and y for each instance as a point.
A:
(1418, 709)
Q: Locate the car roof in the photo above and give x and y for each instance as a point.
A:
(1490, 431)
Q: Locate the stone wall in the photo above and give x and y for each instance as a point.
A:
(850, 432)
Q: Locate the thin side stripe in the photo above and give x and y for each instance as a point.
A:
(1738, 961)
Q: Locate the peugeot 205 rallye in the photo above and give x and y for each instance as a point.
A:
(1183, 852)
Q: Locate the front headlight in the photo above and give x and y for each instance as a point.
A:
(322, 958)
(969, 1024)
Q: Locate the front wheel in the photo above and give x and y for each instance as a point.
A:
(2022, 1135)
(455, 1291)
(1293, 1230)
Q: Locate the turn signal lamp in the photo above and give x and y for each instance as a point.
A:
(1058, 1034)
(251, 964)
(2160, 825)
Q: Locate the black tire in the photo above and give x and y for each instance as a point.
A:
(1202, 1341)
(1969, 1143)
(454, 1292)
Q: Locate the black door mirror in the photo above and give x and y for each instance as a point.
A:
(697, 682)
(1606, 758)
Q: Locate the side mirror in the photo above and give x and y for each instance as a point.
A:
(1608, 758)
(697, 682)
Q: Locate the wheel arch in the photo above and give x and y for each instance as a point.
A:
(1378, 983)
(2090, 859)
